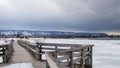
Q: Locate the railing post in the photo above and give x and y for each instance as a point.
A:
(56, 52)
(39, 52)
(87, 61)
(4, 57)
(91, 56)
(12, 49)
(71, 60)
(82, 58)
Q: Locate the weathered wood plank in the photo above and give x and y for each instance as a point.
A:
(52, 63)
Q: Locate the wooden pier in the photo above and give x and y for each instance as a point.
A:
(21, 55)
(57, 55)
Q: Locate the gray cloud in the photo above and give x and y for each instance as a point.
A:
(80, 15)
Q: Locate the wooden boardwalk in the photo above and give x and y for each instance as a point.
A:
(71, 55)
(21, 55)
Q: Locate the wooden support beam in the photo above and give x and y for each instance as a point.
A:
(71, 59)
(82, 59)
(91, 49)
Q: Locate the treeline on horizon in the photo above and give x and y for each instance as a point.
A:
(60, 36)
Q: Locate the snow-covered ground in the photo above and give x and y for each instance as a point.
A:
(4, 42)
(19, 65)
(106, 53)
(1, 60)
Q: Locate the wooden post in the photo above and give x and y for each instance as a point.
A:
(7, 53)
(12, 49)
(82, 59)
(71, 59)
(87, 61)
(91, 56)
(4, 57)
(55, 52)
(39, 52)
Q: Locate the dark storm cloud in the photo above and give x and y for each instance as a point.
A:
(79, 15)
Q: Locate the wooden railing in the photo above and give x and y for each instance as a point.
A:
(71, 58)
(6, 51)
(61, 55)
(39, 49)
(54, 47)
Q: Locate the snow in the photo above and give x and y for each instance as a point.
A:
(106, 54)
(29, 40)
(26, 33)
(1, 60)
(4, 42)
(62, 41)
(19, 65)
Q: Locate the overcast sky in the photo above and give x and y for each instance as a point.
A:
(65, 15)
